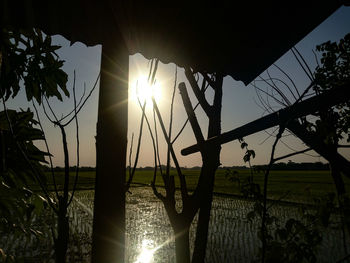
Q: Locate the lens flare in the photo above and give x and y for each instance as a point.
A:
(141, 89)
(146, 255)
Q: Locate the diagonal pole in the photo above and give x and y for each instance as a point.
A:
(329, 98)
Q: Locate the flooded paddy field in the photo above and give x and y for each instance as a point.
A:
(232, 238)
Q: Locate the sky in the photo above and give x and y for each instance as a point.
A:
(240, 103)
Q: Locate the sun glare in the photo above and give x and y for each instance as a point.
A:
(146, 255)
(142, 90)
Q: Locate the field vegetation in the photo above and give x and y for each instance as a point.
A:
(295, 185)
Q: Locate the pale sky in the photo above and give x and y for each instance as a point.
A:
(240, 103)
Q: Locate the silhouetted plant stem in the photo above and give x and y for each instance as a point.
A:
(211, 161)
(264, 212)
(133, 169)
(183, 185)
(48, 150)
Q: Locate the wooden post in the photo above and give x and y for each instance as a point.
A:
(109, 207)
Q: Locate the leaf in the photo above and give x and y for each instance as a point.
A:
(243, 145)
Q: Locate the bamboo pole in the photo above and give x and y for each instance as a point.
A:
(111, 142)
(327, 99)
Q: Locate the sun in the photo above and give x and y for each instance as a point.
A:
(142, 90)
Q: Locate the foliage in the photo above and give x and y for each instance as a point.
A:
(17, 202)
(295, 240)
(28, 60)
(334, 71)
(29, 57)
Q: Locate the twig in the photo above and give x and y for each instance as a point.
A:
(306, 64)
(86, 99)
(183, 185)
(199, 94)
(290, 79)
(155, 153)
(78, 143)
(47, 149)
(277, 90)
(291, 154)
(131, 174)
(171, 124)
(78, 104)
(301, 65)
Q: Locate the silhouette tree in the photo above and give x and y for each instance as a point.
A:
(332, 124)
(201, 198)
(29, 56)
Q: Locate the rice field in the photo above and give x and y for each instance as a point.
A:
(232, 238)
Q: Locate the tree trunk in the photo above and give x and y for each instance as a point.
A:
(205, 207)
(211, 161)
(108, 237)
(182, 244)
(61, 243)
(320, 147)
(337, 163)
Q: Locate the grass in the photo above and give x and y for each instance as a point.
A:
(306, 184)
(298, 183)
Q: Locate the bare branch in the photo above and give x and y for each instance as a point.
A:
(78, 104)
(269, 95)
(290, 79)
(315, 58)
(52, 112)
(130, 154)
(157, 141)
(155, 154)
(343, 146)
(305, 63)
(132, 172)
(78, 143)
(208, 79)
(183, 185)
(190, 114)
(199, 94)
(47, 149)
(278, 91)
(302, 66)
(185, 123)
(291, 154)
(171, 124)
(85, 100)
(66, 163)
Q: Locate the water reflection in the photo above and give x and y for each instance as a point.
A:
(146, 255)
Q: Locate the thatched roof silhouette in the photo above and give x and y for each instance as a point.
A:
(240, 40)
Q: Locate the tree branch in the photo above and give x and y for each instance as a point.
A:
(183, 185)
(199, 94)
(190, 114)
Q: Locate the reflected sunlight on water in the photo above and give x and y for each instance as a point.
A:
(146, 255)
(231, 237)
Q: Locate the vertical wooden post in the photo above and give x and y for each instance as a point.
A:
(109, 206)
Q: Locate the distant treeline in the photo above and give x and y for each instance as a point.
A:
(295, 166)
(277, 166)
(71, 169)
